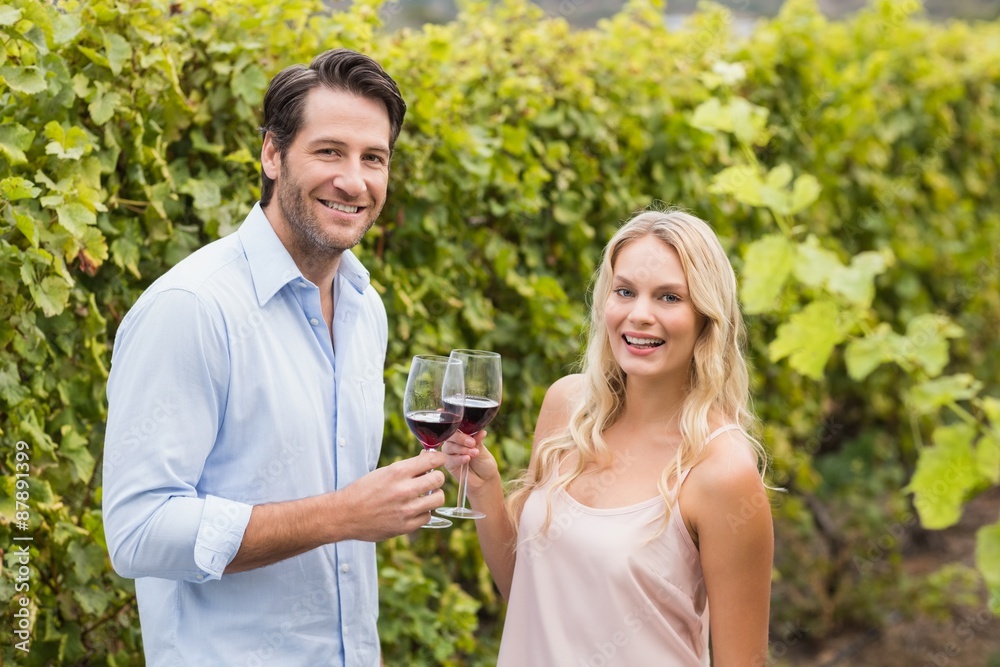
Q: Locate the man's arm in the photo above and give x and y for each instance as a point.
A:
(384, 503)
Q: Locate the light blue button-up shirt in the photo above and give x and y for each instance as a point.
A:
(226, 391)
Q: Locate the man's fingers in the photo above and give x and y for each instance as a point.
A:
(430, 482)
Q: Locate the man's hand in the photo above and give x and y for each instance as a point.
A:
(393, 500)
(384, 503)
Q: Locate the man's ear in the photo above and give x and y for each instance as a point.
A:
(270, 158)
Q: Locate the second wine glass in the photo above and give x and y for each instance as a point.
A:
(433, 405)
(483, 393)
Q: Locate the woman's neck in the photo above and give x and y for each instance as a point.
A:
(653, 402)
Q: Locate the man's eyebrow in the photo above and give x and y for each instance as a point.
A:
(327, 141)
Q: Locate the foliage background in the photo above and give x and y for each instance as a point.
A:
(848, 167)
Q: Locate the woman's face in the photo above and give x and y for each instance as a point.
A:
(652, 323)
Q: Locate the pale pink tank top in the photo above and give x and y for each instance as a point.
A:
(597, 591)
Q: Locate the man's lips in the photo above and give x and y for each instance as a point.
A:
(343, 208)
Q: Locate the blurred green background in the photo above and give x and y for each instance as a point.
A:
(848, 162)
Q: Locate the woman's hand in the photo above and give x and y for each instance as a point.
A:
(462, 449)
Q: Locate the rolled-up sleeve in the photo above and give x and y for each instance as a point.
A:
(167, 394)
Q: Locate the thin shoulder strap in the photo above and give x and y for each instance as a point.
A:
(719, 431)
(711, 436)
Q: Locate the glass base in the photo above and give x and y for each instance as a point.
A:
(436, 522)
(459, 513)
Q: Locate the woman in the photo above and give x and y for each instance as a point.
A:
(643, 505)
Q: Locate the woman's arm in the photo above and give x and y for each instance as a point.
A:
(497, 533)
(731, 514)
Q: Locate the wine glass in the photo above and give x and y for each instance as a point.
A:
(483, 393)
(433, 404)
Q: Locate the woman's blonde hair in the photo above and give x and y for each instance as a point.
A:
(718, 383)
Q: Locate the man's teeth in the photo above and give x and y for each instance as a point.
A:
(341, 207)
(643, 342)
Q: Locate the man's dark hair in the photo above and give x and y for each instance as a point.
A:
(337, 69)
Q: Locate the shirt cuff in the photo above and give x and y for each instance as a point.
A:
(219, 535)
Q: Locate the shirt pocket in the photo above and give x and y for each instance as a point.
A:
(373, 396)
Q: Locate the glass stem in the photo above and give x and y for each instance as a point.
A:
(463, 479)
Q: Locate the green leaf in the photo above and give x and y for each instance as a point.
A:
(249, 84)
(988, 456)
(14, 140)
(739, 116)
(75, 217)
(87, 560)
(749, 122)
(988, 562)
(74, 448)
(102, 108)
(743, 182)
(767, 265)
(991, 406)
(93, 600)
(814, 265)
(808, 338)
(931, 395)
(12, 391)
(119, 51)
(945, 472)
(29, 80)
(51, 295)
(94, 56)
(805, 191)
(864, 355)
(9, 15)
(856, 282)
(65, 27)
(13, 188)
(125, 255)
(926, 343)
(206, 194)
(71, 144)
(780, 176)
(708, 116)
(28, 226)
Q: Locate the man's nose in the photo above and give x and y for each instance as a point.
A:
(350, 179)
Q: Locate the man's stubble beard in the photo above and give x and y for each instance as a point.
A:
(306, 232)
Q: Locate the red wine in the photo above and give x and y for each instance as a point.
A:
(479, 411)
(432, 427)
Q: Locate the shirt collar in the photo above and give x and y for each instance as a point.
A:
(271, 267)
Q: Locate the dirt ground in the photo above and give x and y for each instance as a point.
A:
(971, 638)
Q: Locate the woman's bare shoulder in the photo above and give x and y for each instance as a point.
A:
(557, 406)
(566, 389)
(728, 472)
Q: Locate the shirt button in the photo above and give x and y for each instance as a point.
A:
(341, 441)
(200, 577)
(345, 568)
(314, 322)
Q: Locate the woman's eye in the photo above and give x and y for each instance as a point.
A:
(621, 291)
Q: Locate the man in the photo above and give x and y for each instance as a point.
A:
(246, 404)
